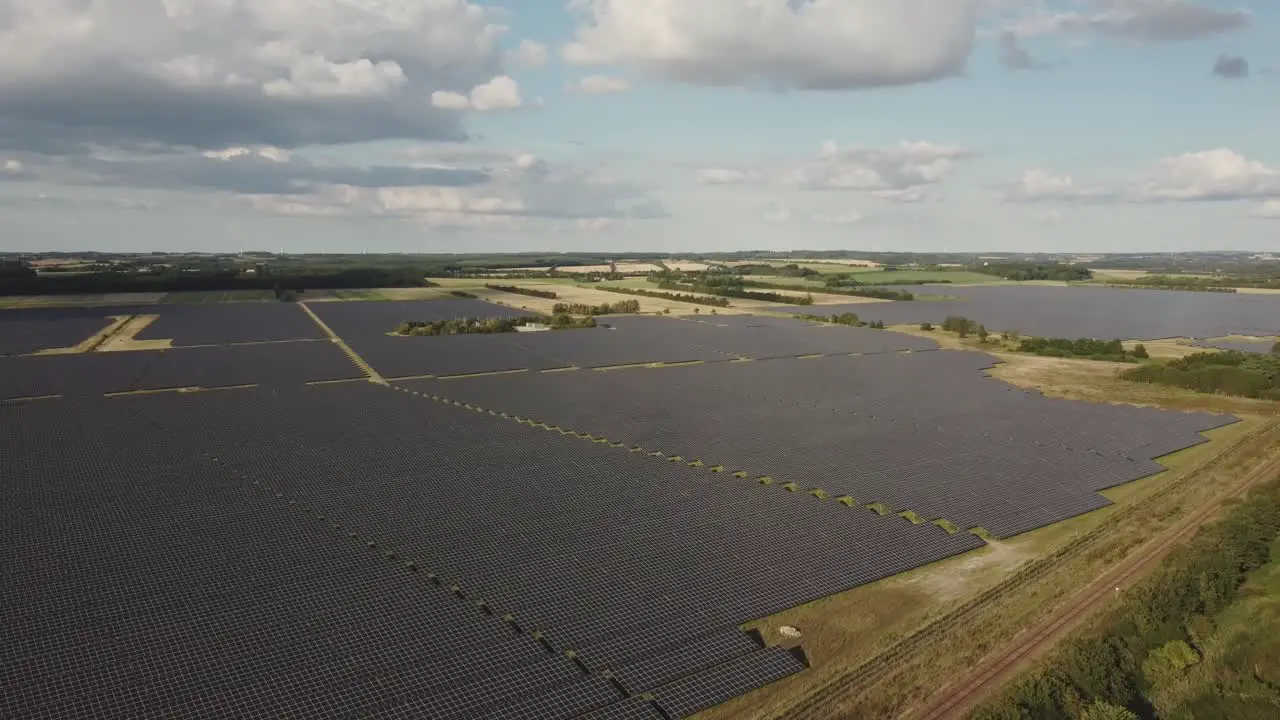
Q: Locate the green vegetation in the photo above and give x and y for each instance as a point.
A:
(724, 285)
(1109, 350)
(1199, 639)
(619, 308)
(463, 294)
(1252, 375)
(544, 294)
(678, 297)
(1224, 283)
(1031, 271)
(474, 326)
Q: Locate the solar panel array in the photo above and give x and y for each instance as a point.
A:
(230, 323)
(925, 432)
(279, 364)
(21, 336)
(1098, 312)
(536, 545)
(256, 561)
(624, 340)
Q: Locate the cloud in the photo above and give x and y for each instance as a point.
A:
(1015, 57)
(845, 218)
(725, 176)
(1231, 67)
(530, 55)
(899, 173)
(206, 74)
(239, 170)
(469, 187)
(500, 93)
(821, 45)
(1141, 20)
(778, 214)
(599, 84)
(1041, 185)
(13, 167)
(1212, 175)
(1269, 210)
(1221, 175)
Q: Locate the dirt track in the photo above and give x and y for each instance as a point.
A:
(960, 697)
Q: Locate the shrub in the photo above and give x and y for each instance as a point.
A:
(926, 326)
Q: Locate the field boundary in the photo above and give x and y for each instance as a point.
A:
(815, 706)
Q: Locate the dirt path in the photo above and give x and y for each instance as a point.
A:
(960, 697)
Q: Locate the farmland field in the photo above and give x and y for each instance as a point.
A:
(547, 524)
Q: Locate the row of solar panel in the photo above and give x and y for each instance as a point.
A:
(196, 487)
(1072, 312)
(277, 364)
(961, 455)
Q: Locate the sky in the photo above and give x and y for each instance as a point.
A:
(665, 126)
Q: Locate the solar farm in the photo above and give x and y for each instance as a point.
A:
(1097, 312)
(282, 510)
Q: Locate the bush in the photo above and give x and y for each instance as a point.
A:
(926, 326)
(1109, 350)
(462, 294)
(1253, 375)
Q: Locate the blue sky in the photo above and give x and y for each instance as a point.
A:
(637, 125)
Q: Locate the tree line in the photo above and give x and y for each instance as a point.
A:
(485, 326)
(531, 292)
(1088, 348)
(618, 308)
(678, 297)
(1034, 271)
(724, 285)
(1252, 375)
(849, 319)
(1125, 665)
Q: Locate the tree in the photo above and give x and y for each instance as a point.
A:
(926, 326)
(982, 333)
(1168, 662)
(1275, 349)
(1099, 710)
(1140, 351)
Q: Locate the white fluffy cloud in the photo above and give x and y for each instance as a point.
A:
(817, 44)
(530, 55)
(500, 93)
(218, 73)
(1142, 20)
(900, 173)
(1221, 175)
(599, 85)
